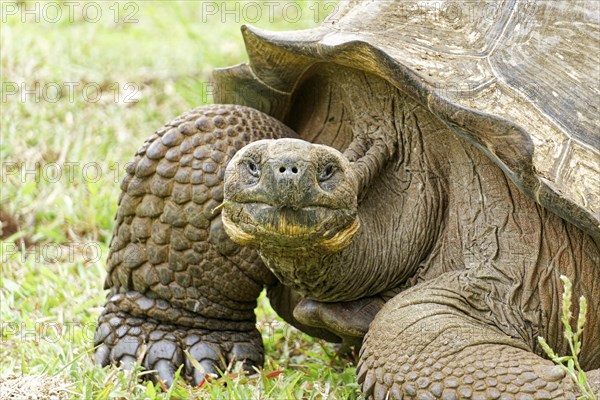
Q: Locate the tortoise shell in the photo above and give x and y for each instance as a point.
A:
(520, 81)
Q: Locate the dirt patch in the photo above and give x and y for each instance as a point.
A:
(9, 226)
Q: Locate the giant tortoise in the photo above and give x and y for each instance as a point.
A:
(434, 173)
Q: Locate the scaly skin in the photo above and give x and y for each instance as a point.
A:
(481, 259)
(177, 282)
(468, 326)
(476, 264)
(436, 348)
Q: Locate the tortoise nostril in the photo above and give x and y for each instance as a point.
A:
(283, 169)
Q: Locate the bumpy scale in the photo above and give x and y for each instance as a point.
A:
(177, 282)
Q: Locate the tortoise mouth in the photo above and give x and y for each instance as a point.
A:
(263, 225)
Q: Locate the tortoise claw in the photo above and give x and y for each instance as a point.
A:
(207, 368)
(127, 362)
(161, 348)
(165, 371)
(102, 355)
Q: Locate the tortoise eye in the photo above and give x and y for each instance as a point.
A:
(327, 172)
(252, 168)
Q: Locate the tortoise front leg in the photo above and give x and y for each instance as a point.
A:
(339, 322)
(426, 344)
(178, 283)
(124, 339)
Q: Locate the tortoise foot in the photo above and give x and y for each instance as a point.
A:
(124, 340)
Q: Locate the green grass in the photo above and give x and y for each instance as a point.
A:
(51, 291)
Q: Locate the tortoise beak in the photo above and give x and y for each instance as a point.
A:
(262, 226)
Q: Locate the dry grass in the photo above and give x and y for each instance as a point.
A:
(34, 387)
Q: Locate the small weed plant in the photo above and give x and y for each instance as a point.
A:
(570, 364)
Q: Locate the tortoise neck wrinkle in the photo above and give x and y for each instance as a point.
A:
(490, 224)
(302, 269)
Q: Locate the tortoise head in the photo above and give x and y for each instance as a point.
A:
(290, 194)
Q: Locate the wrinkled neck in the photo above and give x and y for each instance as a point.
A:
(401, 211)
(305, 269)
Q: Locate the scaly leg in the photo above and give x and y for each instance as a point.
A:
(177, 281)
(345, 322)
(427, 343)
